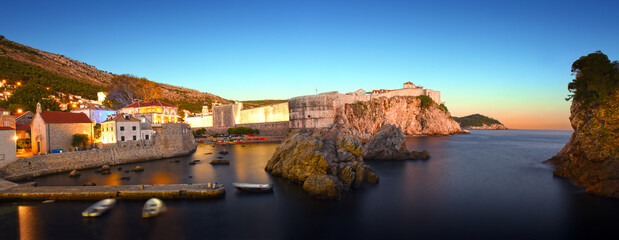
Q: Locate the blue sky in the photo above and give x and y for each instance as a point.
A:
(507, 59)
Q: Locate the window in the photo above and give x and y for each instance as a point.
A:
(133, 128)
(134, 138)
(122, 138)
(122, 128)
(146, 137)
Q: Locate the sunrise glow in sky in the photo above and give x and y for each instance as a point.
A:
(510, 60)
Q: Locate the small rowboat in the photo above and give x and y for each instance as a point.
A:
(153, 207)
(253, 187)
(99, 208)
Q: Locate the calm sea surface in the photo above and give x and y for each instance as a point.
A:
(486, 185)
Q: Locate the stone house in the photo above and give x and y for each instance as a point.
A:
(155, 111)
(54, 130)
(25, 117)
(6, 119)
(124, 127)
(7, 146)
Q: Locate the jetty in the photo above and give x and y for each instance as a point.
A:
(25, 192)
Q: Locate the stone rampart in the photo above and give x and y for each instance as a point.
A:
(172, 139)
(271, 113)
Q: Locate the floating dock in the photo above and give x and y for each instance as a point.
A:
(125, 192)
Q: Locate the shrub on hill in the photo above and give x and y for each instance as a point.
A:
(475, 120)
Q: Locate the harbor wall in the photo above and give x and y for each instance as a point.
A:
(171, 140)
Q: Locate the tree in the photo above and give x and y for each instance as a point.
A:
(80, 140)
(596, 78)
(97, 131)
(125, 88)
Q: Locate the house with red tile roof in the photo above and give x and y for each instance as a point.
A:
(7, 146)
(54, 130)
(154, 111)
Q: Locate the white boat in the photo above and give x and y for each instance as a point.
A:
(253, 187)
(153, 207)
(99, 208)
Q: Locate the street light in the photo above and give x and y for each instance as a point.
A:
(18, 83)
(19, 110)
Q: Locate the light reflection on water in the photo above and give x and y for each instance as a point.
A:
(487, 185)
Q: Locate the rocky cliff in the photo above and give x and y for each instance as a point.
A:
(326, 166)
(415, 115)
(591, 157)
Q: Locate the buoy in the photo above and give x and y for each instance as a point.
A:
(138, 169)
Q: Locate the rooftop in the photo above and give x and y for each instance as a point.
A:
(123, 118)
(64, 117)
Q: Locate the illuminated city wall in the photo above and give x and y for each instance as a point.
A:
(271, 113)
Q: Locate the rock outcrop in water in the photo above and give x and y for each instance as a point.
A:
(591, 157)
(416, 115)
(326, 166)
(390, 144)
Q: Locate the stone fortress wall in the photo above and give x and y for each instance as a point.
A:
(172, 139)
(312, 111)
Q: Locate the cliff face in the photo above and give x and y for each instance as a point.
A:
(415, 116)
(591, 157)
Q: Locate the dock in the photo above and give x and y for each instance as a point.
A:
(124, 192)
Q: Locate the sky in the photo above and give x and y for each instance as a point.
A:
(509, 60)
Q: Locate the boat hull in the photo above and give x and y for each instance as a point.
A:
(99, 208)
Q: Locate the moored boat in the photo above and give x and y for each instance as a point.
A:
(99, 208)
(153, 207)
(253, 187)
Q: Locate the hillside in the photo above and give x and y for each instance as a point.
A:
(47, 64)
(478, 121)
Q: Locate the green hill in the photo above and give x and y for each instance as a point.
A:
(476, 120)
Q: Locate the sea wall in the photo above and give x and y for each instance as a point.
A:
(172, 139)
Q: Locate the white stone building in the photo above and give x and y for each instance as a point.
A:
(124, 127)
(7, 146)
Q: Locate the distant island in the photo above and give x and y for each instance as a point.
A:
(478, 121)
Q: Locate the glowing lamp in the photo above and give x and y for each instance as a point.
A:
(19, 110)
(15, 137)
(18, 83)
